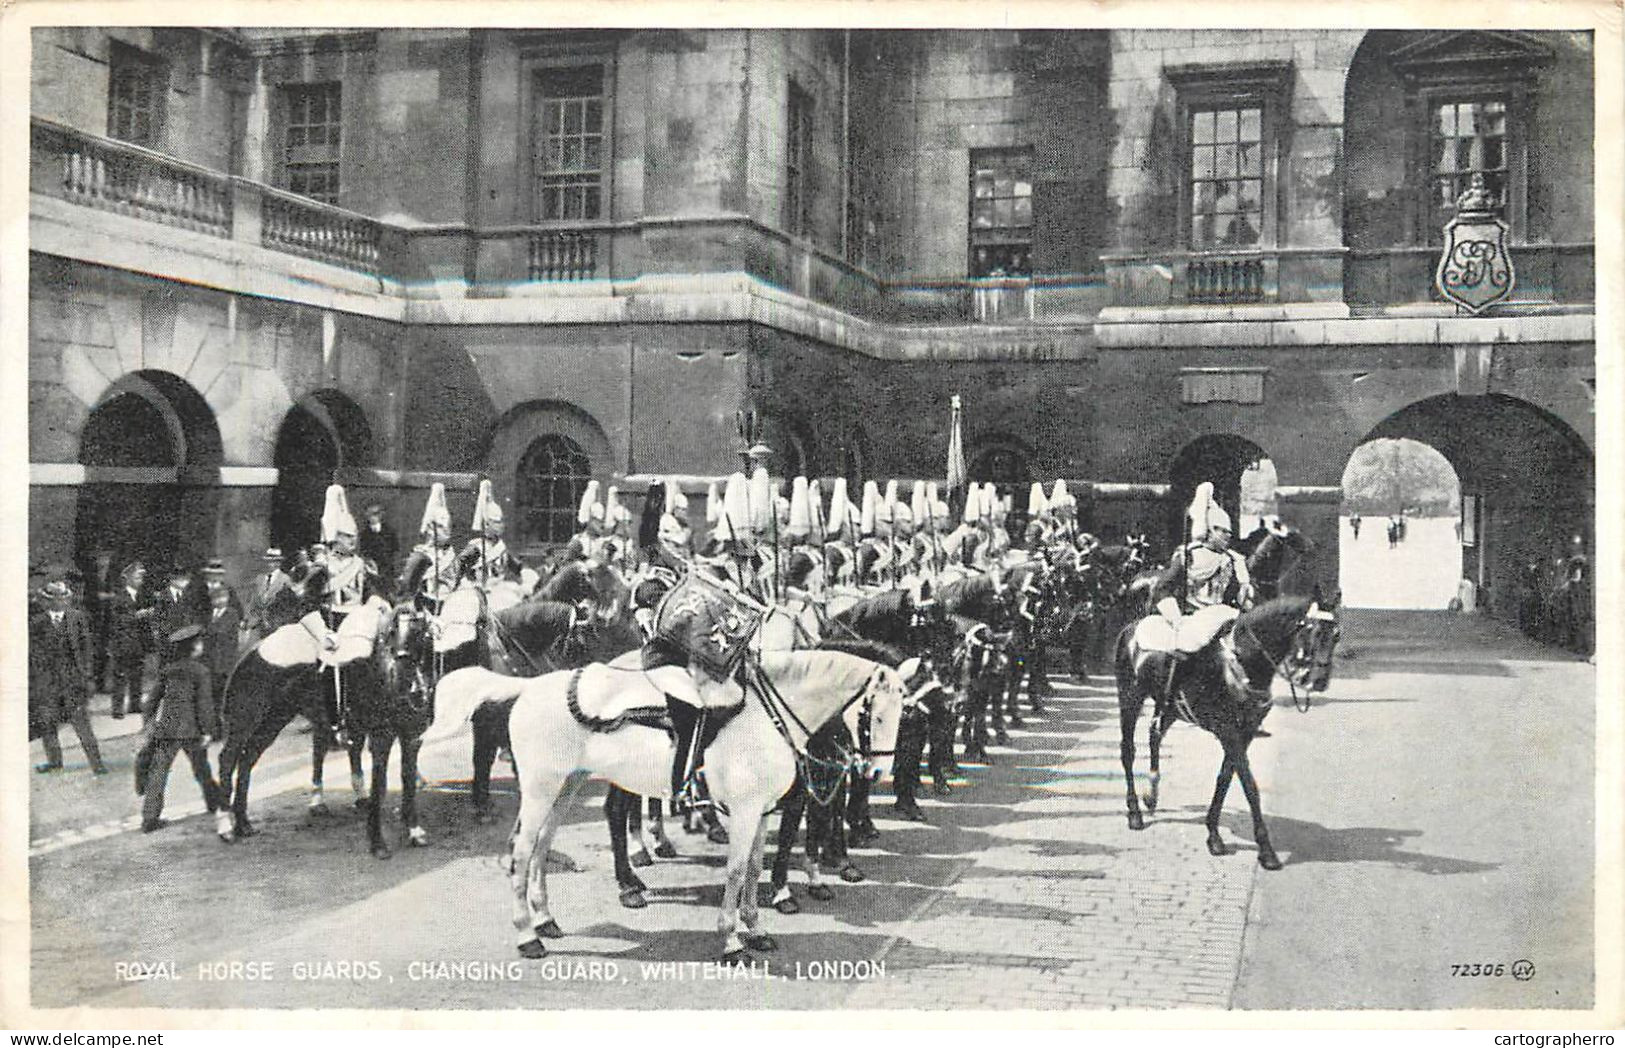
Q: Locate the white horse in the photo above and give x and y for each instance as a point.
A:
(568, 723)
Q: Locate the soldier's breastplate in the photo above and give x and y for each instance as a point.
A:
(1210, 575)
(346, 585)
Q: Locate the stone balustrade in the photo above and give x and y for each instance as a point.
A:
(129, 180)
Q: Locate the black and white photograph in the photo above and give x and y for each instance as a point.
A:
(633, 512)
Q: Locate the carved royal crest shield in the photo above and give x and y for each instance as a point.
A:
(1475, 270)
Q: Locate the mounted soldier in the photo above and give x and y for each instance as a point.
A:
(874, 552)
(1203, 589)
(486, 558)
(1040, 523)
(1064, 511)
(840, 552)
(584, 544)
(903, 563)
(702, 628)
(431, 571)
(341, 585)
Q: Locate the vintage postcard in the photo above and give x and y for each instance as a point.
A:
(980, 515)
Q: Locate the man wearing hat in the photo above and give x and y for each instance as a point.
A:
(177, 605)
(181, 711)
(59, 675)
(378, 543)
(214, 582)
(266, 593)
(129, 637)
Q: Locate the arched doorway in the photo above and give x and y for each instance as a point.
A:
(1005, 462)
(149, 448)
(323, 432)
(1526, 480)
(1416, 565)
(548, 484)
(1242, 475)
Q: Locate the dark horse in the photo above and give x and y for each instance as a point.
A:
(1290, 637)
(381, 706)
(1269, 554)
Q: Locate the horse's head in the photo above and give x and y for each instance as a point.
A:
(887, 693)
(1309, 663)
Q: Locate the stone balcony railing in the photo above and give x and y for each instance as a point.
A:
(500, 261)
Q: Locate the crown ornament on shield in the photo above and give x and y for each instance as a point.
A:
(1475, 269)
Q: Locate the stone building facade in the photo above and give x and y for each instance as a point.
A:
(266, 259)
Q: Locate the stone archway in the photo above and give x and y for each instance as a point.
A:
(1223, 459)
(324, 432)
(151, 449)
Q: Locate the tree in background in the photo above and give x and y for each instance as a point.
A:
(1386, 475)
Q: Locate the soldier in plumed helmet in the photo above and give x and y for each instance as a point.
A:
(431, 571)
(341, 584)
(486, 559)
(584, 544)
(1040, 522)
(874, 551)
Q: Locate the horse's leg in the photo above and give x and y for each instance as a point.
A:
(486, 744)
(257, 745)
(791, 810)
(320, 734)
(633, 808)
(615, 813)
(1129, 701)
(358, 781)
(749, 914)
(415, 834)
(546, 927)
(744, 829)
(834, 844)
(1215, 844)
(663, 848)
(818, 818)
(1160, 723)
(1244, 771)
(380, 742)
(540, 803)
(1037, 678)
(1005, 700)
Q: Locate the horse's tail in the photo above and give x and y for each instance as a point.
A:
(463, 691)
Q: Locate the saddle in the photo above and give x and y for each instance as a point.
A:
(645, 716)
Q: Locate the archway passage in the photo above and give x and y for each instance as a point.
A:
(322, 433)
(1527, 487)
(1006, 464)
(1401, 539)
(1236, 467)
(144, 497)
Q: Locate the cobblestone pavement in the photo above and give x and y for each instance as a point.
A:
(1026, 890)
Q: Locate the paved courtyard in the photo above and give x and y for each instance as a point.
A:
(1408, 847)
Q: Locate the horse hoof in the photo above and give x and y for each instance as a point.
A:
(852, 875)
(483, 818)
(1269, 860)
(640, 858)
(320, 811)
(763, 942)
(533, 950)
(1136, 821)
(736, 957)
(820, 892)
(1149, 801)
(549, 929)
(1216, 848)
(1002, 738)
(381, 851)
(1015, 722)
(788, 906)
(666, 850)
(909, 813)
(865, 836)
(941, 788)
(633, 899)
(717, 835)
(417, 838)
(246, 829)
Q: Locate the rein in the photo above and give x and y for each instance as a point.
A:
(1302, 706)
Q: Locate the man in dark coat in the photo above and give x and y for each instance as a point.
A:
(378, 543)
(59, 676)
(220, 642)
(181, 712)
(129, 637)
(177, 605)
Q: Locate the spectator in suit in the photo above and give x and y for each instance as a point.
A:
(129, 637)
(176, 606)
(59, 676)
(214, 581)
(220, 642)
(181, 711)
(378, 543)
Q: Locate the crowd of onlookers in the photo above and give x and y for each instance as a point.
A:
(1556, 601)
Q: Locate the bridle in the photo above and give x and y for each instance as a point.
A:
(1298, 641)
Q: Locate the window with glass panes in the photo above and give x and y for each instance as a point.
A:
(569, 144)
(1466, 138)
(548, 485)
(310, 137)
(135, 96)
(1226, 177)
(1001, 217)
(797, 159)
